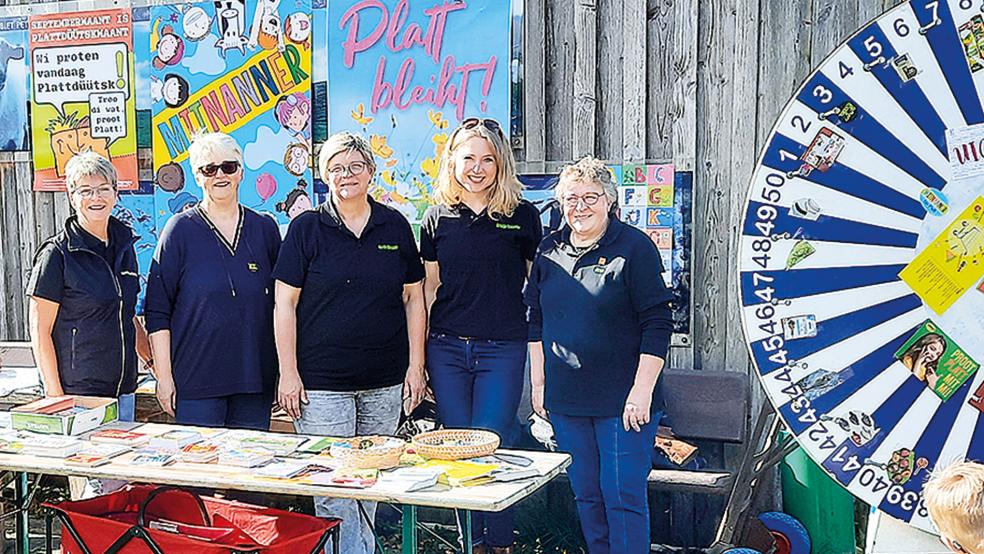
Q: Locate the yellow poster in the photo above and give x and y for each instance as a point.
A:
(952, 263)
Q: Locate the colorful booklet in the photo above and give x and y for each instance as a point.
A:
(244, 458)
(199, 453)
(159, 459)
(175, 439)
(120, 436)
(277, 469)
(104, 450)
(87, 460)
(51, 446)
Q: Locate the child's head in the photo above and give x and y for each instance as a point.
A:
(954, 496)
(294, 112)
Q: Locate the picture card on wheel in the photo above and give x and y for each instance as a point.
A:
(935, 359)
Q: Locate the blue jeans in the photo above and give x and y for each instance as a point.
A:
(350, 414)
(235, 411)
(478, 384)
(608, 472)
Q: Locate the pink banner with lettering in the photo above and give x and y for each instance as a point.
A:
(405, 72)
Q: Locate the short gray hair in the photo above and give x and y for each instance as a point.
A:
(344, 142)
(206, 145)
(588, 168)
(88, 164)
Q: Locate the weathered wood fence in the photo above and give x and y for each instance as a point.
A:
(695, 82)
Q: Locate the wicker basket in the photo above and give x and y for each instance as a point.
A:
(370, 452)
(455, 444)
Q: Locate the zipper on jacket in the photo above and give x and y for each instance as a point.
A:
(75, 331)
(119, 295)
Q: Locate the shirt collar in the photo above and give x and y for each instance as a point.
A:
(328, 213)
(119, 233)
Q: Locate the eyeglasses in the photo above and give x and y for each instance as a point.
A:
(102, 192)
(490, 124)
(228, 168)
(589, 199)
(354, 168)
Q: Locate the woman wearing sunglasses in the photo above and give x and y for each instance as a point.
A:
(477, 243)
(210, 300)
(599, 331)
(349, 318)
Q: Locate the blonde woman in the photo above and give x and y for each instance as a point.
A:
(350, 318)
(477, 243)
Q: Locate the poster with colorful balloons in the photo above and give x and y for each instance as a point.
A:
(403, 73)
(241, 67)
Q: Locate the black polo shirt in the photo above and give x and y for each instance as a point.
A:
(596, 311)
(351, 321)
(482, 265)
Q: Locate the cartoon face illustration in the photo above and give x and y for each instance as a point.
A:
(196, 24)
(269, 31)
(297, 27)
(231, 19)
(296, 159)
(293, 111)
(174, 91)
(170, 48)
(170, 177)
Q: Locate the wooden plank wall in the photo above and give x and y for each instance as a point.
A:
(696, 82)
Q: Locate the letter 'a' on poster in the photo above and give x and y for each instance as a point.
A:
(404, 73)
(240, 67)
(82, 93)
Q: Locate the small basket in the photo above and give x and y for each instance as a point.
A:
(455, 444)
(370, 452)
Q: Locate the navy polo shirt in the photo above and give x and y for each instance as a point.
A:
(351, 320)
(216, 298)
(596, 311)
(482, 265)
(95, 286)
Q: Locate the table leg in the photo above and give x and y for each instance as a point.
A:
(409, 529)
(21, 519)
(464, 529)
(47, 531)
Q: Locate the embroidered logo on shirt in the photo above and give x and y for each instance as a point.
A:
(388, 246)
(508, 226)
(600, 268)
(253, 266)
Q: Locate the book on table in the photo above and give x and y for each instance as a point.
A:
(154, 459)
(120, 436)
(199, 453)
(87, 460)
(51, 446)
(244, 458)
(104, 449)
(175, 439)
(48, 405)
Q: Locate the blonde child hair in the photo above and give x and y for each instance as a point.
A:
(954, 496)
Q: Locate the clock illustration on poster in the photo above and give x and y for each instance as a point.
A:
(862, 255)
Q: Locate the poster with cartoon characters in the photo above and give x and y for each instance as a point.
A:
(82, 93)
(243, 68)
(136, 209)
(13, 99)
(403, 73)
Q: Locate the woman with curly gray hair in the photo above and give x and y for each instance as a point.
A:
(599, 331)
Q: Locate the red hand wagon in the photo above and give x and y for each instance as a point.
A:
(142, 519)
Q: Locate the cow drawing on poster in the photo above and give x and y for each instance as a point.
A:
(231, 19)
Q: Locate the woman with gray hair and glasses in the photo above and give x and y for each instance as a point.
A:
(83, 294)
(599, 331)
(350, 317)
(210, 300)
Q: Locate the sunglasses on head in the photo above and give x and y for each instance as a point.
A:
(490, 124)
(227, 167)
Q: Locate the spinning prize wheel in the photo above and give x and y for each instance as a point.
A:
(862, 255)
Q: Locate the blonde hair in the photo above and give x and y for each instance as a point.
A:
(954, 496)
(344, 142)
(504, 194)
(88, 164)
(206, 145)
(589, 169)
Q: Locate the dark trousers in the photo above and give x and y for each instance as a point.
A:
(235, 411)
(608, 472)
(478, 384)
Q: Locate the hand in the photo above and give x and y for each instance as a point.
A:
(291, 394)
(54, 391)
(166, 395)
(637, 406)
(536, 396)
(414, 389)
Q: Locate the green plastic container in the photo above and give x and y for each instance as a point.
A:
(824, 507)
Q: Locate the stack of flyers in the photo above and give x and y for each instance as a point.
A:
(317, 445)
(120, 436)
(104, 450)
(278, 469)
(244, 458)
(279, 445)
(410, 479)
(351, 478)
(11, 442)
(199, 453)
(154, 459)
(175, 439)
(87, 460)
(51, 446)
